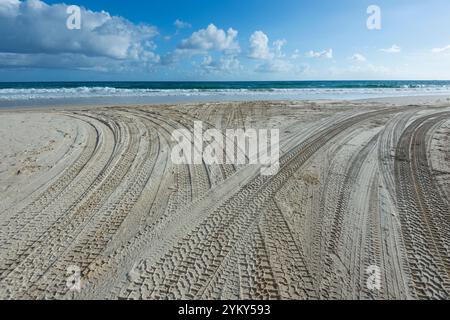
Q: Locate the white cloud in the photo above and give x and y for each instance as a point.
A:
(259, 46)
(33, 27)
(9, 8)
(394, 49)
(211, 38)
(275, 59)
(226, 64)
(63, 61)
(278, 46)
(440, 50)
(205, 41)
(358, 57)
(326, 54)
(179, 24)
(296, 54)
(283, 67)
(275, 66)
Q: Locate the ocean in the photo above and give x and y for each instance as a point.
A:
(80, 93)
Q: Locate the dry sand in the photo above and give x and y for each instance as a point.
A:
(360, 184)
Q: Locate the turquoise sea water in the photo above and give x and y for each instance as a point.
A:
(66, 93)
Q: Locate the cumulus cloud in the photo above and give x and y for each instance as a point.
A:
(325, 54)
(394, 49)
(358, 57)
(275, 66)
(179, 24)
(205, 41)
(296, 54)
(259, 46)
(211, 38)
(440, 50)
(63, 61)
(285, 67)
(278, 46)
(9, 7)
(33, 31)
(274, 60)
(227, 64)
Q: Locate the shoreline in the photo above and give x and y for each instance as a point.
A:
(419, 99)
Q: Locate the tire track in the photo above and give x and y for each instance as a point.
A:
(424, 215)
(235, 217)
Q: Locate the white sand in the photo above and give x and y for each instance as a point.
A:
(361, 184)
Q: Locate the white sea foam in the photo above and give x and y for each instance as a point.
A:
(107, 92)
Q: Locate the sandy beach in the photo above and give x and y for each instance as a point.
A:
(363, 191)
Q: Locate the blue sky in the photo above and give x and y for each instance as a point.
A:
(224, 40)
